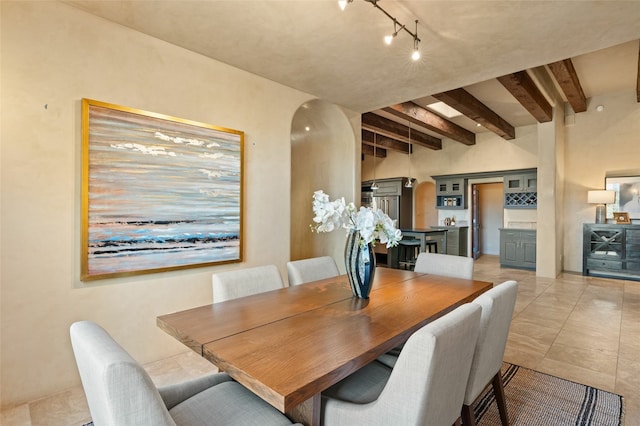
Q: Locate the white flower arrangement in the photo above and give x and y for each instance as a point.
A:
(373, 224)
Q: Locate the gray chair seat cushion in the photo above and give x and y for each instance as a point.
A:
(363, 386)
(228, 403)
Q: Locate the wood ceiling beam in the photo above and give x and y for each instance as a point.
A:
(467, 104)
(383, 143)
(522, 87)
(368, 150)
(422, 117)
(398, 131)
(566, 76)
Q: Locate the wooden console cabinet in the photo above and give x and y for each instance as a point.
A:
(611, 251)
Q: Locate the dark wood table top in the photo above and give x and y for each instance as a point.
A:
(289, 345)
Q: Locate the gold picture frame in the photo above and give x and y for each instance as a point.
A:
(621, 218)
(159, 193)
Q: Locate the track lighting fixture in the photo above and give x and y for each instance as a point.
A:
(397, 27)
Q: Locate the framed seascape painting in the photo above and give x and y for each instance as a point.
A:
(627, 190)
(159, 193)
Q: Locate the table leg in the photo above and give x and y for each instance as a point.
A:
(307, 413)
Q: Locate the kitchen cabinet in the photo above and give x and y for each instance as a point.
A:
(518, 248)
(611, 250)
(521, 191)
(451, 193)
(521, 182)
(457, 240)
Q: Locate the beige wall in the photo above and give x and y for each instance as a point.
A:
(52, 57)
(598, 142)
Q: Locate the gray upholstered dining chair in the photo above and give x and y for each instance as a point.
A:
(312, 269)
(426, 387)
(120, 392)
(497, 310)
(245, 282)
(445, 264)
(438, 264)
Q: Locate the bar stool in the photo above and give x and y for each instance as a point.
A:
(408, 251)
(432, 244)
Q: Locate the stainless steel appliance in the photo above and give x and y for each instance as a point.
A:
(392, 198)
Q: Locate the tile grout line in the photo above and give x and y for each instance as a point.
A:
(566, 319)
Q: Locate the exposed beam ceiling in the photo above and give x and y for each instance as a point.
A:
(566, 76)
(368, 150)
(429, 120)
(383, 143)
(521, 86)
(467, 104)
(524, 89)
(398, 131)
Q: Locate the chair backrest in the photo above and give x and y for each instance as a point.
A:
(118, 390)
(428, 382)
(497, 310)
(445, 264)
(313, 269)
(245, 282)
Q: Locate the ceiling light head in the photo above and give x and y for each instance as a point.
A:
(416, 45)
(389, 38)
(343, 3)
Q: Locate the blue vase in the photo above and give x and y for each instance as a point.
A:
(360, 262)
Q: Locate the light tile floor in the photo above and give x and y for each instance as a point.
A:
(583, 329)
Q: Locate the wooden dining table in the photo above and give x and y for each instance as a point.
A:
(289, 345)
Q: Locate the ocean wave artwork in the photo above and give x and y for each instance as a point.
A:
(159, 193)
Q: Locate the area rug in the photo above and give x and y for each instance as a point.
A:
(538, 399)
(535, 398)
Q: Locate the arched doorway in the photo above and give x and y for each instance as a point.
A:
(324, 156)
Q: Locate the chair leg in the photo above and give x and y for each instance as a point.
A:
(498, 390)
(467, 416)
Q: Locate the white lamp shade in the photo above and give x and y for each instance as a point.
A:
(601, 197)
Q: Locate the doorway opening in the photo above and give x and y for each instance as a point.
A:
(487, 216)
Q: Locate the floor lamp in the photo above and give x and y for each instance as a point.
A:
(601, 198)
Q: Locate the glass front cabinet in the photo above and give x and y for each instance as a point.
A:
(451, 193)
(521, 191)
